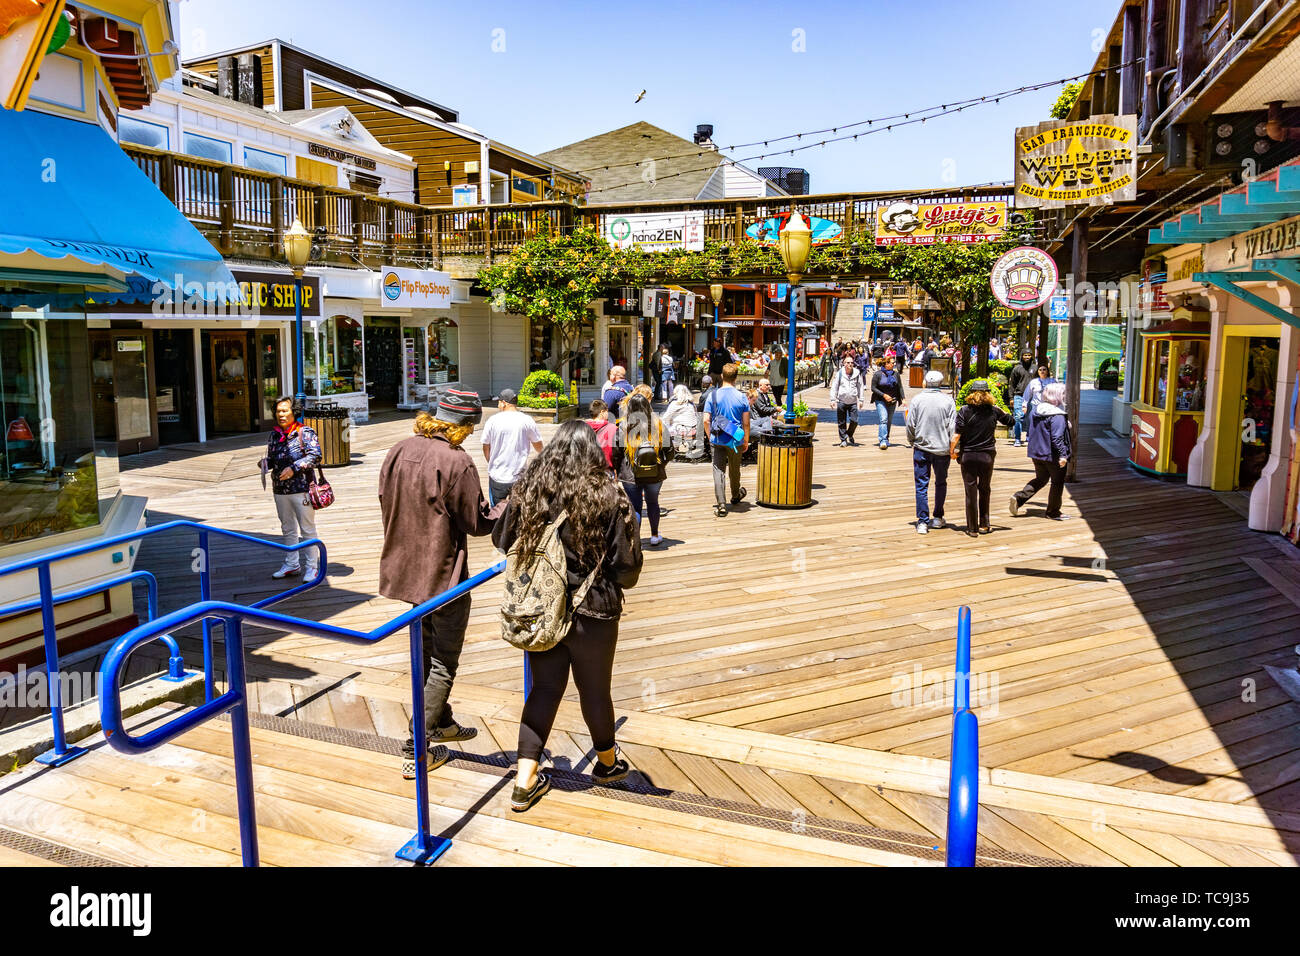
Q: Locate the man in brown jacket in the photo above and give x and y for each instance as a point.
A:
(431, 501)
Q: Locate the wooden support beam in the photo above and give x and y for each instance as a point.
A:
(1074, 355)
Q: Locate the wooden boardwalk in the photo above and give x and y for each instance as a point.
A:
(776, 683)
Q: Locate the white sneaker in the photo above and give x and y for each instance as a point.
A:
(1014, 506)
(287, 571)
(922, 528)
(311, 573)
(937, 523)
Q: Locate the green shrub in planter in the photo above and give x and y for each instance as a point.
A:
(995, 391)
(540, 390)
(1002, 366)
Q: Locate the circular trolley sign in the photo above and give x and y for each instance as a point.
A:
(1024, 278)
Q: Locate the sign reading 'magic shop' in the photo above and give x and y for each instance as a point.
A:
(1090, 163)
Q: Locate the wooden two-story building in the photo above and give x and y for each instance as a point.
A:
(456, 163)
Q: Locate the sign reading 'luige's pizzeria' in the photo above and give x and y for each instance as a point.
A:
(1090, 163)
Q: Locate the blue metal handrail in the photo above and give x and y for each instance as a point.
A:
(423, 847)
(47, 600)
(963, 781)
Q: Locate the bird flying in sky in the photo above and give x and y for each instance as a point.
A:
(639, 97)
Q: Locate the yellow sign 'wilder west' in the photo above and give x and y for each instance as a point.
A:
(1076, 164)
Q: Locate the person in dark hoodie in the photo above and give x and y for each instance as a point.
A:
(1021, 374)
(1049, 450)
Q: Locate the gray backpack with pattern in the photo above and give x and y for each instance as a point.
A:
(537, 610)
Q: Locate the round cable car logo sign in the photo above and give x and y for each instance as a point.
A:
(1024, 278)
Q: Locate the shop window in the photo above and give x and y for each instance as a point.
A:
(364, 182)
(332, 357)
(266, 162)
(444, 352)
(1190, 371)
(738, 303)
(131, 130)
(1155, 382)
(205, 147)
(415, 372)
(541, 349)
(47, 473)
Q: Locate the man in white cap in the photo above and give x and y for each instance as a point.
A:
(930, 423)
(507, 438)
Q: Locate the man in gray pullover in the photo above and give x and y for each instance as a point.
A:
(930, 423)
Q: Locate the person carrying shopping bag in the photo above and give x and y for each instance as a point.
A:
(293, 454)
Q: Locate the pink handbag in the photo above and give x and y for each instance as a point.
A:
(319, 492)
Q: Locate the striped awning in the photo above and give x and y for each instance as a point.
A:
(1273, 197)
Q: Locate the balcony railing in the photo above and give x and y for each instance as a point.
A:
(245, 212)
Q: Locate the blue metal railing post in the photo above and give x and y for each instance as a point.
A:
(423, 847)
(963, 780)
(61, 753)
(205, 594)
(233, 616)
(241, 739)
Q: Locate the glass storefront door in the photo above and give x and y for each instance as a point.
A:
(1258, 407)
(268, 356)
(174, 394)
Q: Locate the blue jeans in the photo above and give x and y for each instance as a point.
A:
(885, 412)
(635, 493)
(669, 382)
(924, 462)
(1019, 408)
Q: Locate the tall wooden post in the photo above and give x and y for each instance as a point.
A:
(1074, 355)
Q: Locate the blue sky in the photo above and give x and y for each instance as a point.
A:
(571, 70)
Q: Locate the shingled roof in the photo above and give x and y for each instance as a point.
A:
(678, 178)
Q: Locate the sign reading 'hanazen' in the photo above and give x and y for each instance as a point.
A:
(1091, 163)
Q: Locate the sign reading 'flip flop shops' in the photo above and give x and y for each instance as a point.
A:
(1090, 163)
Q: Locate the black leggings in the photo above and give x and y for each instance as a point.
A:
(589, 649)
(977, 475)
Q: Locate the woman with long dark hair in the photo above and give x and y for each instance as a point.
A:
(570, 475)
(638, 427)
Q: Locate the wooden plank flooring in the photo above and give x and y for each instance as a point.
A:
(793, 661)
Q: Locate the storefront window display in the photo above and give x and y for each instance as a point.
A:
(444, 352)
(414, 364)
(1156, 380)
(1190, 376)
(333, 357)
(1258, 407)
(47, 473)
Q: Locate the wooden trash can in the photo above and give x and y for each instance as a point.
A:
(916, 376)
(785, 468)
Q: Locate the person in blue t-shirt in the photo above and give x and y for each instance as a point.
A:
(726, 422)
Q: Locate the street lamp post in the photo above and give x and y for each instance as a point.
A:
(795, 242)
(715, 290)
(297, 250)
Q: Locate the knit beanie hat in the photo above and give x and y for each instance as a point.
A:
(458, 407)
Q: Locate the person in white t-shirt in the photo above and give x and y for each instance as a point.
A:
(507, 438)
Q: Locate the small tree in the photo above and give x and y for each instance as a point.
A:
(1065, 102)
(552, 278)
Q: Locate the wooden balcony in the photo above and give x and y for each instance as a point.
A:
(245, 212)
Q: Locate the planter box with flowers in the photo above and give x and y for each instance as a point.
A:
(541, 396)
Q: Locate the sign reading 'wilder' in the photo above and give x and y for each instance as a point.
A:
(1090, 163)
